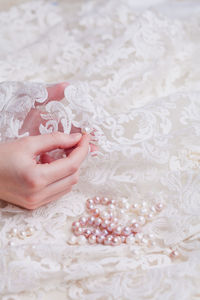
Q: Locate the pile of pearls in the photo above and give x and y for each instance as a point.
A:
(109, 226)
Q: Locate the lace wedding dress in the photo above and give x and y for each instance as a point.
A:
(134, 77)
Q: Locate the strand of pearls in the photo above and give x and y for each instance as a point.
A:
(117, 223)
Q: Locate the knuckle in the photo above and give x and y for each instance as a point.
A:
(33, 180)
(75, 179)
(73, 168)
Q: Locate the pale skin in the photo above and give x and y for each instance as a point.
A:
(29, 184)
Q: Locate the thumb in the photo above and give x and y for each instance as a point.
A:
(56, 140)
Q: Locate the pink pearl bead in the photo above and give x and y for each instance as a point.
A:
(96, 232)
(89, 202)
(100, 239)
(96, 212)
(97, 200)
(104, 232)
(111, 227)
(118, 230)
(83, 221)
(78, 231)
(104, 201)
(76, 224)
(116, 241)
(113, 202)
(126, 230)
(87, 232)
(92, 239)
(90, 207)
(123, 238)
(108, 240)
(105, 223)
(135, 228)
(159, 206)
(91, 220)
(97, 221)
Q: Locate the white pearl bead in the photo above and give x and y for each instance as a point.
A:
(141, 220)
(111, 206)
(83, 221)
(150, 216)
(138, 237)
(153, 209)
(72, 240)
(175, 253)
(143, 211)
(104, 215)
(159, 206)
(144, 204)
(167, 251)
(10, 243)
(133, 221)
(81, 240)
(135, 251)
(135, 206)
(144, 241)
(23, 234)
(130, 239)
(91, 220)
(136, 227)
(14, 231)
(85, 130)
(100, 239)
(151, 235)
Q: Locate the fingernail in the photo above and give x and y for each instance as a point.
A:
(76, 135)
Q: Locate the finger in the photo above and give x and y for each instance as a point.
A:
(49, 199)
(64, 167)
(56, 140)
(56, 187)
(55, 92)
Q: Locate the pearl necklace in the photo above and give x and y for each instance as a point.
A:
(105, 226)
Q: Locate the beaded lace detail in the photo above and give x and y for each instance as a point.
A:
(135, 79)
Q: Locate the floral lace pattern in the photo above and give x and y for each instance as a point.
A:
(134, 79)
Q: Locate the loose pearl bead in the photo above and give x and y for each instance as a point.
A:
(151, 235)
(30, 229)
(105, 223)
(138, 237)
(87, 232)
(104, 215)
(133, 221)
(89, 202)
(92, 239)
(14, 231)
(96, 212)
(108, 240)
(100, 239)
(90, 207)
(135, 205)
(11, 244)
(144, 241)
(143, 211)
(113, 202)
(83, 221)
(97, 221)
(97, 200)
(115, 220)
(81, 240)
(150, 216)
(111, 206)
(152, 243)
(116, 241)
(85, 130)
(130, 239)
(167, 251)
(144, 204)
(118, 230)
(76, 225)
(153, 209)
(91, 220)
(23, 234)
(159, 206)
(123, 238)
(10, 236)
(110, 227)
(104, 201)
(126, 230)
(174, 253)
(105, 232)
(96, 232)
(141, 220)
(135, 228)
(72, 240)
(78, 231)
(122, 211)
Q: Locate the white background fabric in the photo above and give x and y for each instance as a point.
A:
(139, 62)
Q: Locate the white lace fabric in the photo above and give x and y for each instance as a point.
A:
(134, 77)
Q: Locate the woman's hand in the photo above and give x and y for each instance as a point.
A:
(28, 184)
